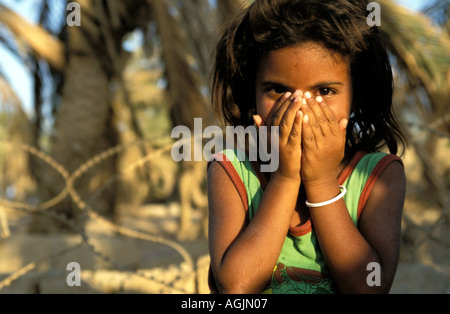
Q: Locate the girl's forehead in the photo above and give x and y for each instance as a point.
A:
(308, 59)
(308, 52)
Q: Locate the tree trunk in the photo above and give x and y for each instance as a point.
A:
(83, 129)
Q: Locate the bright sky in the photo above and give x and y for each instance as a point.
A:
(19, 77)
(10, 65)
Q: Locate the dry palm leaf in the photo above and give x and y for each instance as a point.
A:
(421, 49)
(33, 37)
(14, 162)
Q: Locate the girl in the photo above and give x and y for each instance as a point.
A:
(333, 207)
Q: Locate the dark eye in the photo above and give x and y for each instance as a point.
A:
(277, 89)
(325, 91)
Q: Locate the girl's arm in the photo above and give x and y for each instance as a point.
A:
(347, 249)
(243, 256)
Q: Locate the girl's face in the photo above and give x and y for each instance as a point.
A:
(309, 67)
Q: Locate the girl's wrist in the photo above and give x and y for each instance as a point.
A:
(321, 182)
(317, 192)
(281, 179)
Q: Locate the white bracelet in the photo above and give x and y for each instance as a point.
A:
(341, 195)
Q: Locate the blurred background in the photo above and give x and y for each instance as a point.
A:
(86, 114)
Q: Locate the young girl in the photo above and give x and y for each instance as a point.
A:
(333, 207)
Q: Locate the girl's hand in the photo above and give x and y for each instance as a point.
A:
(323, 142)
(287, 116)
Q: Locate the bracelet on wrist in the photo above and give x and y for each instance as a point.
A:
(334, 199)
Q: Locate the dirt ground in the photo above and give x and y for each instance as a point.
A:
(425, 254)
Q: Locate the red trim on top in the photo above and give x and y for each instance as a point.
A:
(301, 230)
(347, 171)
(234, 176)
(379, 168)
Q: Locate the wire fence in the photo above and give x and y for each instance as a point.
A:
(188, 267)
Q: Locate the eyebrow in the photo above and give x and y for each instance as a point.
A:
(326, 83)
(318, 84)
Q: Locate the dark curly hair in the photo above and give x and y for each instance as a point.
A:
(339, 25)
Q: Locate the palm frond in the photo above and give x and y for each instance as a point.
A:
(188, 102)
(33, 37)
(14, 163)
(420, 48)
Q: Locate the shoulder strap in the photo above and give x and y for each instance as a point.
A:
(227, 159)
(361, 180)
(247, 180)
(376, 172)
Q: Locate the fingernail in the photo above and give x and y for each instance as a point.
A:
(308, 95)
(319, 99)
(306, 118)
(304, 101)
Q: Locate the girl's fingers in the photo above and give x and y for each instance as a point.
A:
(285, 114)
(308, 138)
(343, 126)
(319, 121)
(333, 123)
(296, 131)
(258, 121)
(278, 109)
(287, 123)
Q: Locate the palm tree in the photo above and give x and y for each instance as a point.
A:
(87, 70)
(29, 42)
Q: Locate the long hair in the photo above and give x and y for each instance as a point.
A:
(339, 25)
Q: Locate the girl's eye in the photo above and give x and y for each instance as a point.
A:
(325, 91)
(277, 90)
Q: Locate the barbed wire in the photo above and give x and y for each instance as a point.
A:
(69, 190)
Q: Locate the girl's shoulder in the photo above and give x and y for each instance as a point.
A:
(234, 161)
(240, 171)
(364, 170)
(229, 155)
(362, 165)
(371, 165)
(372, 159)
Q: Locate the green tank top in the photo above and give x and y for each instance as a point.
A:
(301, 267)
